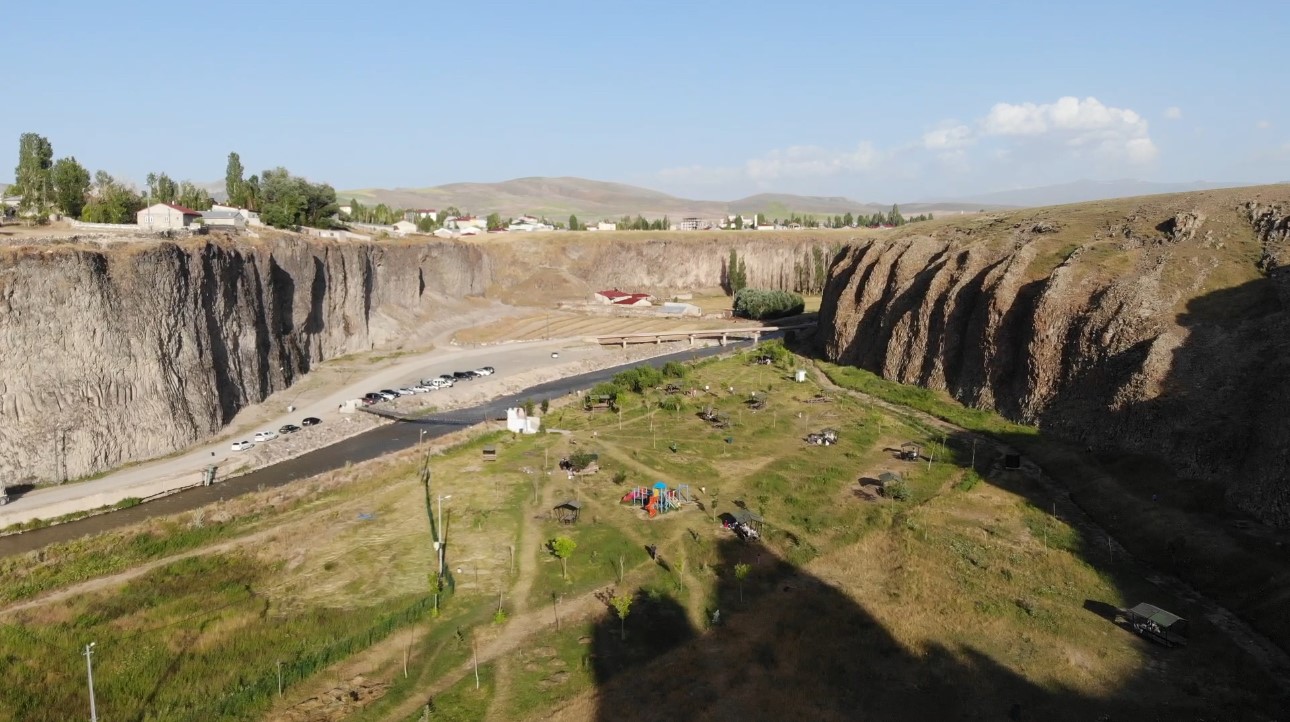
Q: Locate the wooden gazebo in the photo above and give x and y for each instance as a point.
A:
(490, 453)
(567, 512)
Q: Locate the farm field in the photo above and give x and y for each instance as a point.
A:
(955, 587)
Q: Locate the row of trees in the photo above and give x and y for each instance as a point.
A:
(45, 185)
(759, 304)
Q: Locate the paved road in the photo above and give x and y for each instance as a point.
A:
(369, 445)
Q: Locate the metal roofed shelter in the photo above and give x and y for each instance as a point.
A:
(1155, 623)
(567, 512)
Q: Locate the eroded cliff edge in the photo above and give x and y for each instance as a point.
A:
(1155, 325)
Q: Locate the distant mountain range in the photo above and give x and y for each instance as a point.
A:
(557, 198)
(1087, 190)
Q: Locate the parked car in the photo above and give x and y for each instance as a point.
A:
(289, 429)
(487, 370)
(265, 436)
(444, 381)
(373, 396)
(422, 388)
(389, 395)
(242, 445)
(311, 421)
(405, 391)
(463, 375)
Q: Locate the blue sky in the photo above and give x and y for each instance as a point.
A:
(876, 101)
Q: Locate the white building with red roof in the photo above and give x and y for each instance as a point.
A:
(166, 217)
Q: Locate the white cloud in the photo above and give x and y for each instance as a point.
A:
(949, 137)
(810, 161)
(1078, 124)
(1263, 124)
(1173, 112)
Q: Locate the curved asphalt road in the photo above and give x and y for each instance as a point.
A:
(363, 447)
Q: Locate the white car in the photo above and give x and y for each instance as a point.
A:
(266, 436)
(242, 445)
(422, 389)
(405, 392)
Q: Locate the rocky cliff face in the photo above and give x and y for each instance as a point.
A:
(1157, 325)
(110, 355)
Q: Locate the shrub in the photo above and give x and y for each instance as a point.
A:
(757, 303)
(639, 379)
(897, 490)
(969, 481)
(620, 477)
(776, 351)
(671, 403)
(582, 460)
(675, 369)
(546, 406)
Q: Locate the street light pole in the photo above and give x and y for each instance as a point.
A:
(89, 673)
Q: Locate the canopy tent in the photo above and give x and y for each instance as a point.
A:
(1152, 621)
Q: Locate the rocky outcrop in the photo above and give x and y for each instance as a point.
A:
(1158, 326)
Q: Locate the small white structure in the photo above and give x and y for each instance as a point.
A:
(405, 227)
(416, 214)
(224, 219)
(252, 218)
(166, 217)
(799, 375)
(350, 406)
(443, 233)
(603, 226)
(519, 422)
(680, 309)
(461, 223)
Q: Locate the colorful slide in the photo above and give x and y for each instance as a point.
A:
(652, 507)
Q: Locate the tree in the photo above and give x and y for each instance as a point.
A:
(161, 189)
(894, 217)
(574, 225)
(741, 573)
(545, 406)
(289, 200)
(494, 222)
(848, 220)
(112, 202)
(623, 606)
(191, 196)
(739, 222)
(32, 174)
(743, 274)
(71, 186)
(233, 183)
(562, 547)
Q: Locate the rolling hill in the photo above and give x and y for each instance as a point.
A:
(589, 199)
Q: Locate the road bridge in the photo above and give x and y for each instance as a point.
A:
(722, 335)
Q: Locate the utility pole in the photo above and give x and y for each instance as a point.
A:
(280, 676)
(556, 610)
(89, 673)
(439, 533)
(974, 454)
(474, 648)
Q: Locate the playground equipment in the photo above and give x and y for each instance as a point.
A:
(658, 499)
(909, 451)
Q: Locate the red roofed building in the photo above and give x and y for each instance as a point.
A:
(612, 295)
(166, 217)
(635, 299)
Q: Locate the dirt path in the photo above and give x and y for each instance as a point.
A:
(95, 585)
(527, 558)
(1274, 660)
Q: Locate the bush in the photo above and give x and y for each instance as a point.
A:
(675, 369)
(620, 477)
(582, 460)
(897, 490)
(757, 303)
(969, 481)
(639, 379)
(671, 403)
(776, 351)
(608, 389)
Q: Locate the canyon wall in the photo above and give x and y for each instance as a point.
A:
(111, 353)
(1156, 325)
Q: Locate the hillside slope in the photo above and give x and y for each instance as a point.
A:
(556, 198)
(1156, 325)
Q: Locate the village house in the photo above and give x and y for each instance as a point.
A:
(166, 217)
(405, 227)
(603, 226)
(461, 223)
(611, 295)
(229, 219)
(251, 217)
(415, 215)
